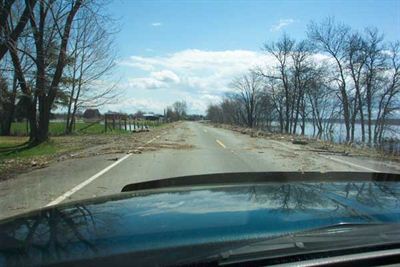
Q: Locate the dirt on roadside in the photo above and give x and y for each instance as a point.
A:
(81, 146)
(313, 144)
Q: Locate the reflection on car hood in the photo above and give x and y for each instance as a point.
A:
(143, 220)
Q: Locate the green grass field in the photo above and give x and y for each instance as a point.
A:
(58, 128)
(11, 147)
(16, 146)
(11, 141)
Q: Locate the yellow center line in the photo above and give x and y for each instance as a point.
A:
(220, 143)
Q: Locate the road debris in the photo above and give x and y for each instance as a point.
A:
(299, 142)
(310, 143)
(81, 146)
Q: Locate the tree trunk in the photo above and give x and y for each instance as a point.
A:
(296, 118)
(287, 102)
(369, 110)
(42, 129)
(32, 120)
(369, 107)
(281, 120)
(345, 100)
(303, 116)
(6, 120)
(46, 97)
(354, 117)
(360, 106)
(9, 111)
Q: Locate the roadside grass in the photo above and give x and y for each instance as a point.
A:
(7, 142)
(17, 157)
(16, 146)
(24, 151)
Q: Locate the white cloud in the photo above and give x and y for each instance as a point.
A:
(134, 104)
(154, 80)
(165, 76)
(199, 77)
(282, 23)
(205, 70)
(135, 62)
(145, 83)
(197, 59)
(156, 24)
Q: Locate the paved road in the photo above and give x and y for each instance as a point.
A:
(191, 148)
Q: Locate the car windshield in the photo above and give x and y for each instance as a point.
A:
(96, 95)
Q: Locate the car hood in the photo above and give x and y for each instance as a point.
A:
(187, 216)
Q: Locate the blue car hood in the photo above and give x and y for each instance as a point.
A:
(157, 219)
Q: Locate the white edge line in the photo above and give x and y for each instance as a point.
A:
(350, 164)
(91, 179)
(331, 158)
(85, 183)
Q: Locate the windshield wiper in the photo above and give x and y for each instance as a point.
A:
(344, 236)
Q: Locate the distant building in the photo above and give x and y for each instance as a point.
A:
(152, 116)
(91, 114)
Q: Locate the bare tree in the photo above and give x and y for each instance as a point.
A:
(322, 101)
(249, 88)
(180, 109)
(388, 97)
(302, 74)
(356, 59)
(9, 72)
(230, 108)
(47, 89)
(91, 58)
(215, 113)
(359, 77)
(170, 114)
(10, 32)
(281, 51)
(330, 37)
(274, 89)
(374, 64)
(50, 23)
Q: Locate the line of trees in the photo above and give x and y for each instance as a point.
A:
(336, 73)
(176, 112)
(52, 54)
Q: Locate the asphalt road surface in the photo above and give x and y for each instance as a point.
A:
(188, 149)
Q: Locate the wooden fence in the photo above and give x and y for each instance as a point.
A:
(116, 121)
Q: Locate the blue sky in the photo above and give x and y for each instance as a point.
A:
(190, 50)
